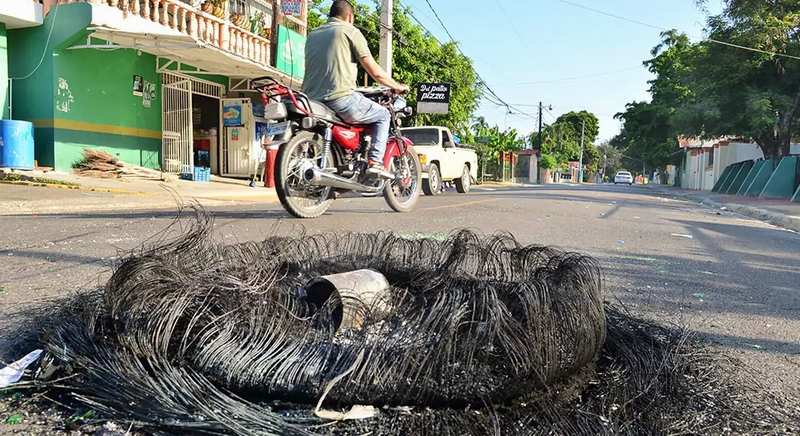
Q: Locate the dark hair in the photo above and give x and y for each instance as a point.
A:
(340, 9)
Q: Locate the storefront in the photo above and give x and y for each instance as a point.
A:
(144, 86)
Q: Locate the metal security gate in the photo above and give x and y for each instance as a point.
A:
(177, 127)
(177, 142)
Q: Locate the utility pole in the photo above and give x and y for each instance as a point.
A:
(385, 55)
(580, 162)
(539, 138)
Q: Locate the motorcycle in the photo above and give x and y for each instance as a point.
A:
(320, 156)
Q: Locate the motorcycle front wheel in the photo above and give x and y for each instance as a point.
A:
(298, 197)
(402, 193)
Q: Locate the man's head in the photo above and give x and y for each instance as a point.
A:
(343, 10)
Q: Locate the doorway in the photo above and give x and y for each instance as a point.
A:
(190, 122)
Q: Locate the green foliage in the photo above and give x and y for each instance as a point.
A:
(562, 139)
(708, 89)
(418, 57)
(548, 162)
(14, 419)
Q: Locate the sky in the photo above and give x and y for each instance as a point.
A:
(557, 45)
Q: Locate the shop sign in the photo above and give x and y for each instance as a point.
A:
(292, 7)
(433, 98)
(232, 114)
(291, 57)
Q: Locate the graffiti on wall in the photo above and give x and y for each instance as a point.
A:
(64, 97)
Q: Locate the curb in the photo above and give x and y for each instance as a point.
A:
(775, 218)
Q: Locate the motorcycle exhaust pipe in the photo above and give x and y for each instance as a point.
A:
(317, 177)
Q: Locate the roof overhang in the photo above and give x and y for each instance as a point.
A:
(133, 32)
(21, 13)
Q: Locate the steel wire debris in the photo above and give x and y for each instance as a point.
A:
(484, 336)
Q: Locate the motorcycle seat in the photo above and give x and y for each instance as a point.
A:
(319, 109)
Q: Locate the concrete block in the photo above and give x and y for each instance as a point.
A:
(783, 182)
(735, 170)
(761, 178)
(722, 178)
(750, 176)
(739, 180)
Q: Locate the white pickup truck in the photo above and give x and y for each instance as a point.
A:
(442, 159)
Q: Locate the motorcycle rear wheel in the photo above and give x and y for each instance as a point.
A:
(403, 192)
(297, 196)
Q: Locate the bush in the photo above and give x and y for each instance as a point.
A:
(547, 162)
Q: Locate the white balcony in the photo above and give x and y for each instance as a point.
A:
(176, 30)
(21, 13)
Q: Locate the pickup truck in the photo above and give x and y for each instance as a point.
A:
(442, 159)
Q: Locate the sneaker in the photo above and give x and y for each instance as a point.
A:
(377, 169)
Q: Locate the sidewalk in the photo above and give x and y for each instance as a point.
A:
(778, 212)
(80, 194)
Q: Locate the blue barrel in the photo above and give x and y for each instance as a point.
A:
(16, 144)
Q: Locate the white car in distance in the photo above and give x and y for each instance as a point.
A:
(623, 177)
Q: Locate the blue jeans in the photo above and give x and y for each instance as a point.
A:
(357, 109)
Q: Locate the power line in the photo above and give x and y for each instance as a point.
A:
(481, 80)
(663, 29)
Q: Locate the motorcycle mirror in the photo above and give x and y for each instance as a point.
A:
(408, 110)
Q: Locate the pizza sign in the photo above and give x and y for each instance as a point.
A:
(433, 98)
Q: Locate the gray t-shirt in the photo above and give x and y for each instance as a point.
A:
(332, 55)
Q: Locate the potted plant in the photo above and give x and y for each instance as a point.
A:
(238, 20)
(208, 6)
(546, 164)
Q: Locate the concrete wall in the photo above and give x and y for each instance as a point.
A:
(83, 98)
(698, 175)
(3, 72)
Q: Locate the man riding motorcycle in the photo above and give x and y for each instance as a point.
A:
(332, 51)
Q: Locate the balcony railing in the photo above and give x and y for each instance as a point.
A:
(207, 28)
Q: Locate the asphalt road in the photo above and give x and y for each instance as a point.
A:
(732, 279)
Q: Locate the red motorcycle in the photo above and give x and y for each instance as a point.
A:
(321, 156)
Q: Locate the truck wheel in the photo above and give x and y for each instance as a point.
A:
(433, 184)
(464, 182)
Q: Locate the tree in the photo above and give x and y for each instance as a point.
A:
(745, 93)
(562, 139)
(418, 57)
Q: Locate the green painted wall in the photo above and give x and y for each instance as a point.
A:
(83, 98)
(750, 176)
(761, 178)
(782, 182)
(70, 144)
(33, 91)
(95, 106)
(3, 71)
(740, 178)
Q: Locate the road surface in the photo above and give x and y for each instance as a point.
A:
(732, 279)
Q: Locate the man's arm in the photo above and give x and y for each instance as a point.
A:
(381, 76)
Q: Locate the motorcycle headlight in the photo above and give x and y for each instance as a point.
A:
(399, 104)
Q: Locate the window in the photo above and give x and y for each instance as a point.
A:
(422, 136)
(447, 141)
(710, 158)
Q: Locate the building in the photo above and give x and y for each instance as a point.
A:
(705, 160)
(145, 79)
(14, 15)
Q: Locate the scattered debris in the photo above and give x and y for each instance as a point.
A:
(679, 235)
(13, 373)
(193, 336)
(699, 295)
(97, 163)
